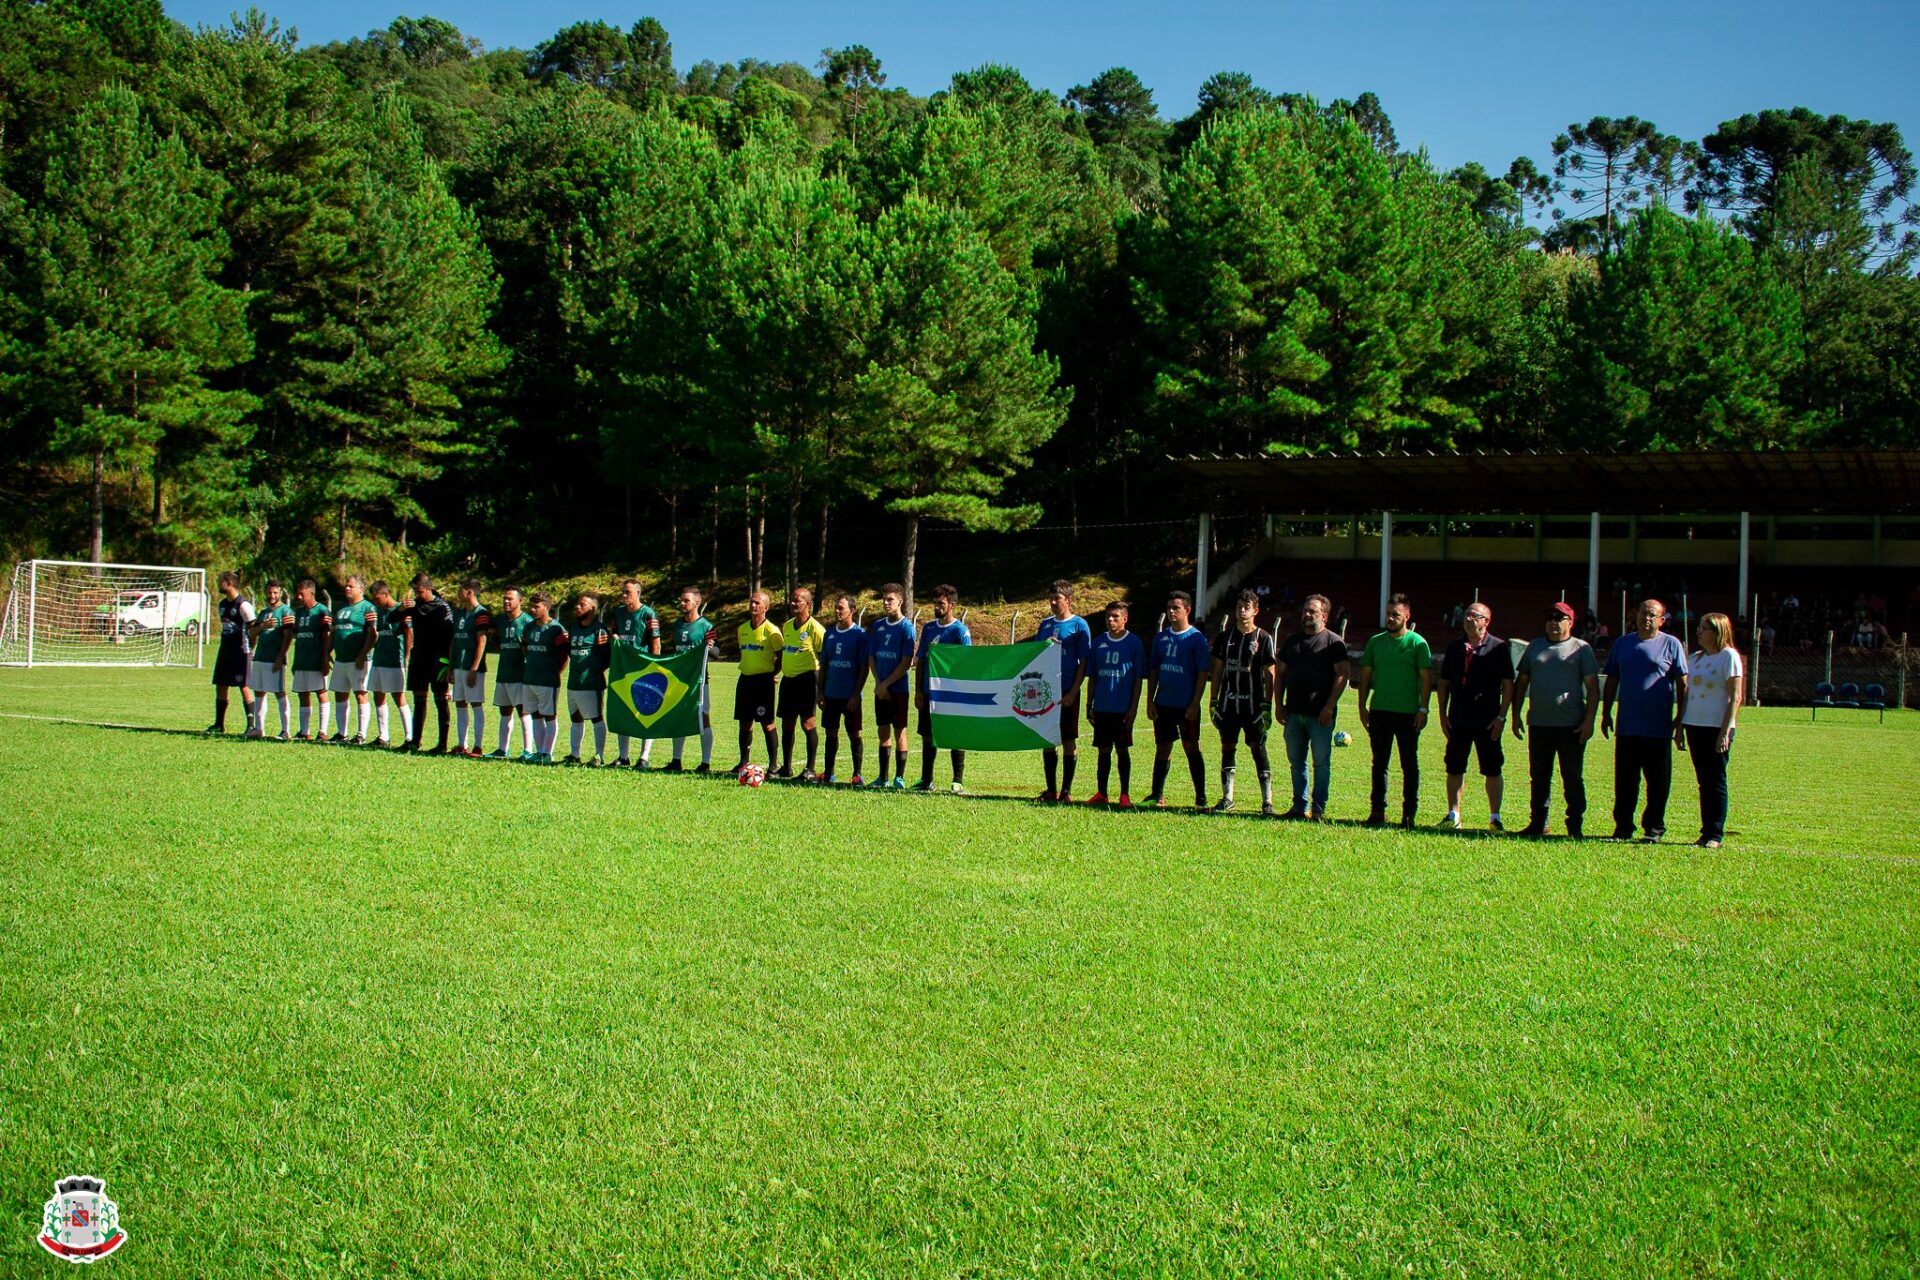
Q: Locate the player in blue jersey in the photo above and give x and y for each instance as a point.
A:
(1070, 631)
(944, 628)
(1177, 671)
(890, 650)
(843, 674)
(1115, 668)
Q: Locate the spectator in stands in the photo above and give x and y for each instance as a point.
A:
(1396, 681)
(1647, 673)
(1313, 674)
(1710, 701)
(1476, 689)
(1559, 685)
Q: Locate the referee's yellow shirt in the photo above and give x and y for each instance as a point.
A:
(800, 647)
(759, 648)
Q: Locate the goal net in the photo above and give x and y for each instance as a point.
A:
(69, 613)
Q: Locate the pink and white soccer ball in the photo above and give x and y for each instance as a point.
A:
(752, 776)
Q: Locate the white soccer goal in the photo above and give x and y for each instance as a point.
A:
(71, 613)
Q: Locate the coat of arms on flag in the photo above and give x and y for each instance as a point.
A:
(649, 697)
(995, 697)
(80, 1224)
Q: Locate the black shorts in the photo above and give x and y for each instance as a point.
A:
(799, 695)
(1234, 725)
(1480, 740)
(1070, 722)
(1111, 729)
(753, 698)
(429, 674)
(891, 712)
(230, 667)
(1171, 725)
(838, 711)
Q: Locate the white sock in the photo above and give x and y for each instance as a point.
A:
(406, 717)
(646, 751)
(526, 733)
(383, 722)
(600, 739)
(306, 716)
(256, 713)
(326, 718)
(679, 749)
(706, 745)
(460, 724)
(575, 731)
(506, 733)
(621, 740)
(284, 726)
(549, 734)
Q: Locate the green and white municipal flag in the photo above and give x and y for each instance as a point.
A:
(995, 697)
(649, 697)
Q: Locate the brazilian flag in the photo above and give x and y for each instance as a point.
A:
(649, 697)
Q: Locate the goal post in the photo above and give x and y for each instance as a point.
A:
(78, 613)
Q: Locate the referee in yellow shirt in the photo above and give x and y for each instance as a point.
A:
(801, 639)
(753, 694)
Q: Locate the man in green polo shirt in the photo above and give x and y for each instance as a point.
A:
(310, 624)
(472, 623)
(393, 628)
(268, 633)
(544, 651)
(355, 632)
(1396, 680)
(588, 654)
(509, 672)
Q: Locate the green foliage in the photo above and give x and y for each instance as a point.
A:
(1124, 124)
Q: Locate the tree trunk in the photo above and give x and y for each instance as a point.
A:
(627, 538)
(159, 494)
(793, 533)
(820, 569)
(99, 502)
(911, 551)
(713, 563)
(673, 532)
(753, 562)
(340, 537)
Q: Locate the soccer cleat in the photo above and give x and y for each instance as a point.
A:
(1573, 831)
(640, 766)
(1709, 844)
(808, 775)
(703, 767)
(1124, 802)
(498, 753)
(959, 790)
(1046, 797)
(785, 773)
(673, 766)
(212, 730)
(922, 787)
(1451, 822)
(1065, 798)
(339, 739)
(1154, 801)
(363, 741)
(1200, 803)
(1407, 821)
(1225, 805)
(1098, 797)
(434, 751)
(303, 737)
(1534, 829)
(1267, 810)
(621, 762)
(1494, 824)
(857, 781)
(529, 757)
(898, 784)
(595, 762)
(880, 784)
(1295, 814)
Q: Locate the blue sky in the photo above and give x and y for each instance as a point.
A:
(1470, 79)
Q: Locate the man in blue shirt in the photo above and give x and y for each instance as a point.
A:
(943, 629)
(1075, 638)
(1647, 673)
(890, 655)
(1115, 668)
(1176, 678)
(843, 663)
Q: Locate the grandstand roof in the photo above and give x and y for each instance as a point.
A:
(1801, 482)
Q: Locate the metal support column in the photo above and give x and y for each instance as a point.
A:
(1386, 562)
(1746, 555)
(1593, 564)
(1200, 563)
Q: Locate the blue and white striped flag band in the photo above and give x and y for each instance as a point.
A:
(995, 697)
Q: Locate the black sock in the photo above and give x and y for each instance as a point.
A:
(1126, 770)
(853, 745)
(786, 744)
(926, 764)
(746, 742)
(1066, 772)
(1050, 761)
(419, 717)
(883, 760)
(833, 750)
(1159, 773)
(440, 712)
(772, 754)
(220, 711)
(959, 766)
(813, 747)
(1198, 770)
(1105, 768)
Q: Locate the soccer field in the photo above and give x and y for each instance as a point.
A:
(316, 1011)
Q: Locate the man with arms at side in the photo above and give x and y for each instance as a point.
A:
(693, 631)
(472, 626)
(1177, 670)
(800, 639)
(547, 647)
(235, 654)
(269, 673)
(1070, 631)
(1313, 677)
(589, 653)
(393, 631)
(1116, 667)
(1646, 672)
(753, 691)
(843, 658)
(632, 619)
(355, 632)
(1396, 680)
(428, 668)
(1559, 685)
(890, 652)
(943, 628)
(510, 673)
(1242, 705)
(1476, 692)
(311, 625)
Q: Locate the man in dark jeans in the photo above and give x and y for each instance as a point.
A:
(1559, 685)
(1647, 672)
(1396, 679)
(429, 667)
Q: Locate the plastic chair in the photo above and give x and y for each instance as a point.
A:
(1874, 698)
(1822, 697)
(1848, 696)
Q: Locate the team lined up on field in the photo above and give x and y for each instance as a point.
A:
(359, 655)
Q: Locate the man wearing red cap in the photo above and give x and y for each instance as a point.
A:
(1559, 685)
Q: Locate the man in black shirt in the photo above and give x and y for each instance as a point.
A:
(1243, 698)
(231, 660)
(428, 669)
(1476, 692)
(1313, 675)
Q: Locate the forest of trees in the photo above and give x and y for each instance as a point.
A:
(262, 301)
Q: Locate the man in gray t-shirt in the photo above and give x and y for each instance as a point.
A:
(1559, 685)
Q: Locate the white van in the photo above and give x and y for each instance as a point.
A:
(133, 612)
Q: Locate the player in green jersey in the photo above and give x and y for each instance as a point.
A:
(468, 658)
(392, 646)
(694, 632)
(587, 655)
(269, 675)
(308, 625)
(355, 632)
(543, 658)
(510, 671)
(635, 621)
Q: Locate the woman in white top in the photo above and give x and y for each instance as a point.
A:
(1716, 686)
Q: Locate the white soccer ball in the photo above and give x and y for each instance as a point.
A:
(1341, 738)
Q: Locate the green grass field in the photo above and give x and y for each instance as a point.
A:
(326, 1012)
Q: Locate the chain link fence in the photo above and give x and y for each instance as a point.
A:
(1787, 676)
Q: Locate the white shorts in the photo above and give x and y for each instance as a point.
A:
(469, 686)
(349, 677)
(584, 703)
(262, 678)
(538, 699)
(309, 682)
(507, 694)
(391, 680)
